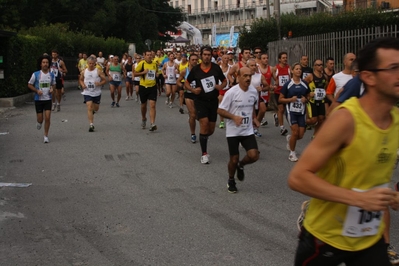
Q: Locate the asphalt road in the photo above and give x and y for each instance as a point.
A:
(125, 196)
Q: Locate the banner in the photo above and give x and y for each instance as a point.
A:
(213, 43)
(224, 40)
(231, 37)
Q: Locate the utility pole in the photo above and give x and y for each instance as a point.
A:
(267, 9)
(277, 16)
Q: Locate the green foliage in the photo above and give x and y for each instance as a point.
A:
(20, 63)
(264, 31)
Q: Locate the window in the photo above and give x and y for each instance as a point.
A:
(189, 9)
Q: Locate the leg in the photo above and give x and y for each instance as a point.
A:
(294, 136)
(262, 111)
(153, 111)
(90, 110)
(112, 91)
(192, 115)
(173, 92)
(119, 93)
(127, 89)
(168, 92)
(47, 115)
(143, 108)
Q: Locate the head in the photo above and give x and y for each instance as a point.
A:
(318, 65)
(379, 67)
(296, 70)
(206, 53)
(80, 55)
(251, 64)
(44, 63)
(171, 57)
(246, 53)
(193, 60)
(283, 58)
(115, 59)
(148, 56)
(54, 54)
(225, 59)
(129, 59)
(91, 62)
(304, 61)
(230, 54)
(183, 58)
(244, 75)
(178, 56)
(348, 59)
(264, 59)
(84, 55)
(138, 58)
(330, 63)
(100, 54)
(258, 52)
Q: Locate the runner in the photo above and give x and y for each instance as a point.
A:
(225, 68)
(258, 55)
(316, 111)
(147, 70)
(189, 96)
(136, 80)
(343, 219)
(238, 108)
(306, 70)
(169, 70)
(231, 76)
(294, 95)
(59, 69)
(43, 83)
(281, 75)
(91, 80)
(264, 98)
(258, 81)
(206, 76)
(101, 61)
(329, 71)
(182, 66)
(114, 71)
(128, 74)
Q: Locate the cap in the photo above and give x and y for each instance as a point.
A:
(230, 52)
(184, 55)
(111, 56)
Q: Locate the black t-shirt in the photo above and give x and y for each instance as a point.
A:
(207, 80)
(306, 71)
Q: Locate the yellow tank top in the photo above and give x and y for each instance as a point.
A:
(149, 79)
(346, 227)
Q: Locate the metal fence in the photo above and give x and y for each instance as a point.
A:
(334, 45)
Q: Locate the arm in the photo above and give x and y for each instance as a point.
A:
(64, 70)
(221, 86)
(337, 133)
(140, 73)
(265, 85)
(81, 80)
(282, 99)
(102, 76)
(331, 89)
(231, 73)
(237, 119)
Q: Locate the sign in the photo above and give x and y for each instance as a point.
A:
(224, 40)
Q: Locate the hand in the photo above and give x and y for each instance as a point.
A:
(395, 202)
(51, 90)
(259, 88)
(237, 120)
(377, 199)
(256, 122)
(145, 71)
(311, 94)
(293, 99)
(39, 92)
(303, 99)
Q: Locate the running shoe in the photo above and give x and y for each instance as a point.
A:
(91, 129)
(292, 157)
(257, 133)
(112, 104)
(64, 96)
(127, 98)
(58, 107)
(231, 186)
(167, 101)
(240, 172)
(264, 123)
(275, 120)
(301, 218)
(53, 107)
(38, 126)
(283, 131)
(393, 255)
(117, 105)
(143, 122)
(397, 186)
(153, 127)
(221, 125)
(288, 137)
(308, 127)
(170, 105)
(205, 159)
(193, 138)
(181, 110)
(45, 140)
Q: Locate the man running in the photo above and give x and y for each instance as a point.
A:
(189, 96)
(281, 75)
(237, 107)
(128, 74)
(264, 98)
(147, 70)
(91, 81)
(206, 76)
(245, 55)
(344, 217)
(114, 71)
(59, 70)
(43, 83)
(225, 68)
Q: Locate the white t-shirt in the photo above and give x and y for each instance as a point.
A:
(239, 102)
(340, 80)
(43, 83)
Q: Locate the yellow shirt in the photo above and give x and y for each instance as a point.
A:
(367, 162)
(82, 64)
(149, 79)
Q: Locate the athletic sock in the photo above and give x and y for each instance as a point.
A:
(203, 143)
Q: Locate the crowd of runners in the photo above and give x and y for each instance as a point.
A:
(346, 110)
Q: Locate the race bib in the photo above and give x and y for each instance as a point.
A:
(208, 84)
(297, 107)
(319, 94)
(245, 119)
(90, 86)
(359, 223)
(150, 75)
(129, 74)
(44, 86)
(116, 77)
(55, 71)
(283, 79)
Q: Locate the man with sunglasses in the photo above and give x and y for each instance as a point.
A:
(258, 54)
